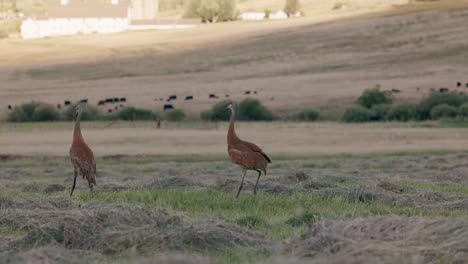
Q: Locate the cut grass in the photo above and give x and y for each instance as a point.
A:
(276, 209)
(446, 187)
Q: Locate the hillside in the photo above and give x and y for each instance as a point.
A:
(324, 60)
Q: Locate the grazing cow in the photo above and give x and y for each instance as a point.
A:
(10, 107)
(109, 110)
(123, 99)
(84, 101)
(247, 92)
(101, 102)
(459, 84)
(466, 85)
(443, 90)
(227, 96)
(171, 97)
(116, 108)
(188, 97)
(213, 96)
(109, 100)
(161, 99)
(67, 102)
(168, 106)
(59, 106)
(255, 92)
(121, 105)
(116, 99)
(395, 91)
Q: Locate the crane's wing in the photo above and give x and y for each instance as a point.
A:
(83, 160)
(248, 146)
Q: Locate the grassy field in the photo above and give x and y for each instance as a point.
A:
(327, 65)
(343, 209)
(335, 192)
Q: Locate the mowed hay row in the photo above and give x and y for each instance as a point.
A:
(390, 239)
(115, 229)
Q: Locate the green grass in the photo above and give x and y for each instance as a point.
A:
(5, 231)
(446, 188)
(275, 209)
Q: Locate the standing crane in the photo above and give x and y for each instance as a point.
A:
(81, 156)
(248, 155)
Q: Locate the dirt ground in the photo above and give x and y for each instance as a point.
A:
(290, 63)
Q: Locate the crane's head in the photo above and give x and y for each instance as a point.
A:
(230, 106)
(79, 110)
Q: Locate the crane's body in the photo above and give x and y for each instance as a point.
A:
(248, 155)
(81, 156)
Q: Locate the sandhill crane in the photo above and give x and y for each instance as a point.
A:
(81, 156)
(248, 155)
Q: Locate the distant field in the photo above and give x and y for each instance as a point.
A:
(208, 140)
(290, 63)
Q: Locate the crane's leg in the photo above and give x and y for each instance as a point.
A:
(242, 182)
(74, 182)
(256, 184)
(91, 190)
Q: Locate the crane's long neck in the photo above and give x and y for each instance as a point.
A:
(232, 137)
(77, 132)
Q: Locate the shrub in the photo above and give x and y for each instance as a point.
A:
(33, 111)
(218, 112)
(443, 110)
(292, 7)
(45, 112)
(380, 111)
(357, 113)
(175, 115)
(404, 112)
(374, 96)
(252, 110)
(89, 113)
(139, 113)
(450, 98)
(267, 13)
(308, 114)
(212, 10)
(463, 110)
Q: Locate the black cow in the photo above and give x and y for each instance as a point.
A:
(188, 97)
(171, 97)
(466, 85)
(109, 110)
(116, 108)
(255, 92)
(67, 103)
(227, 95)
(123, 99)
(121, 105)
(443, 90)
(84, 101)
(59, 106)
(459, 84)
(213, 96)
(116, 99)
(247, 92)
(109, 100)
(10, 107)
(395, 91)
(168, 106)
(101, 102)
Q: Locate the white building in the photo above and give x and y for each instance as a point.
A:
(280, 14)
(70, 17)
(252, 16)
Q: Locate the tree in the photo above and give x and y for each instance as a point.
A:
(212, 10)
(292, 7)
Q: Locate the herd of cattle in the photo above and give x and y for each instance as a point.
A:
(167, 106)
(118, 102)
